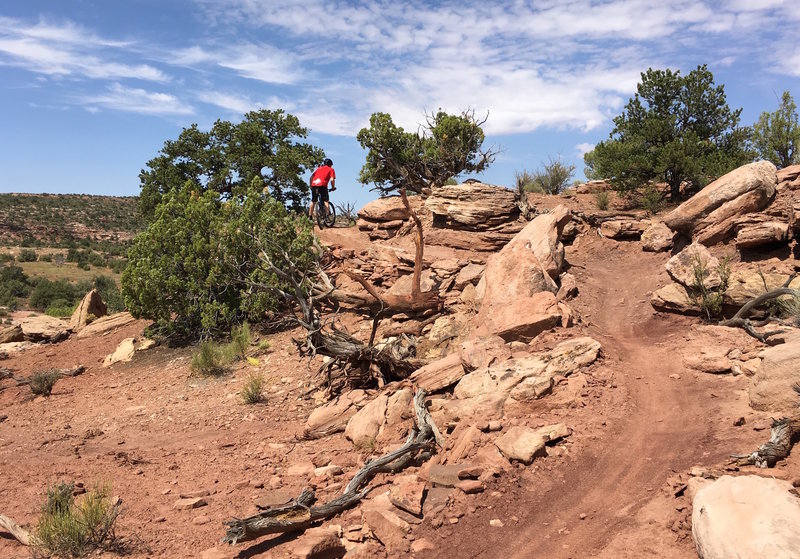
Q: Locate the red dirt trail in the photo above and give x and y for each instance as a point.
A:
(662, 426)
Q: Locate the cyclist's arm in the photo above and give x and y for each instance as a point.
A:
(333, 183)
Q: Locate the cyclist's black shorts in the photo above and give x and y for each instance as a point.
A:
(319, 194)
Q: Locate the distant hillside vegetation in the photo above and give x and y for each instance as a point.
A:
(54, 218)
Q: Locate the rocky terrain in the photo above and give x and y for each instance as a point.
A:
(587, 399)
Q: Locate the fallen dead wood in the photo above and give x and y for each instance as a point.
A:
(9, 526)
(741, 320)
(300, 514)
(21, 381)
(785, 432)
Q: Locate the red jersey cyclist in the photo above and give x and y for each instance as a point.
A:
(319, 185)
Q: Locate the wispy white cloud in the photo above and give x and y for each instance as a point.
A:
(261, 62)
(60, 50)
(567, 63)
(553, 63)
(228, 101)
(135, 100)
(583, 148)
(755, 5)
(789, 62)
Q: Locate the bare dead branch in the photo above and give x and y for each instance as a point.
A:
(741, 320)
(784, 433)
(299, 514)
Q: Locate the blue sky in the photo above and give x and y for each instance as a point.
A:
(91, 89)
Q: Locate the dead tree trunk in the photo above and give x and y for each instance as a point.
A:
(417, 301)
(785, 432)
(9, 526)
(300, 514)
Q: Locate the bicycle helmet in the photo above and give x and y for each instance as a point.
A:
(328, 162)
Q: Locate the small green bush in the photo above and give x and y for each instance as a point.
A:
(554, 175)
(27, 255)
(601, 199)
(264, 345)
(14, 284)
(789, 308)
(6, 257)
(69, 529)
(109, 291)
(526, 182)
(365, 444)
(710, 299)
(42, 382)
(551, 178)
(209, 361)
(240, 342)
(253, 389)
(46, 257)
(47, 292)
(652, 200)
(60, 309)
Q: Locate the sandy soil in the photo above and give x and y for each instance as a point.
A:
(156, 433)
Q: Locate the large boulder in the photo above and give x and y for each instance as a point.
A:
(710, 215)
(43, 328)
(333, 416)
(771, 388)
(439, 374)
(788, 175)
(383, 218)
(763, 233)
(12, 334)
(489, 387)
(386, 410)
(683, 266)
(476, 241)
(745, 284)
(106, 324)
(472, 206)
(746, 517)
(657, 237)
(91, 307)
(620, 229)
(521, 319)
(364, 427)
(518, 286)
(390, 208)
(674, 297)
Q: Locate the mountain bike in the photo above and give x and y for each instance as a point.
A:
(326, 218)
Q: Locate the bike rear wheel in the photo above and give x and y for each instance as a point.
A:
(326, 218)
